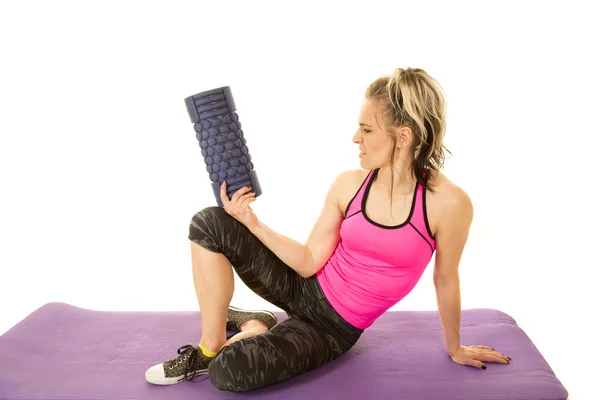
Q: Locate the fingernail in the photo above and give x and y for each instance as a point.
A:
(509, 359)
(483, 367)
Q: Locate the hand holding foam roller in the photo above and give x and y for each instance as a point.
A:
(220, 136)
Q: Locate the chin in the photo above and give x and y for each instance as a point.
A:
(368, 165)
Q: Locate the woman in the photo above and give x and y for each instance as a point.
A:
(377, 232)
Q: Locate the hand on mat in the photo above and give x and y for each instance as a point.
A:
(239, 205)
(475, 356)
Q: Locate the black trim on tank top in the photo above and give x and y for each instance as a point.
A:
(353, 214)
(364, 204)
(356, 194)
(424, 193)
(420, 234)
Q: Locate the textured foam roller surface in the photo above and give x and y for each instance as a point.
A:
(221, 138)
(65, 352)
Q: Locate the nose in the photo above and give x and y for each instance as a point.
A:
(357, 138)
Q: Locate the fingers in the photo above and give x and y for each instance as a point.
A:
(501, 358)
(486, 355)
(495, 356)
(492, 351)
(244, 200)
(238, 204)
(234, 199)
(248, 200)
(498, 358)
(223, 194)
(240, 193)
(475, 363)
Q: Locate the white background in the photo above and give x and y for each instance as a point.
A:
(100, 170)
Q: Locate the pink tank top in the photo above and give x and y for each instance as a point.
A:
(374, 266)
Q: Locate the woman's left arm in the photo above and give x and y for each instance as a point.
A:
(451, 236)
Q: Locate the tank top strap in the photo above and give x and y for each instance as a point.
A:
(355, 203)
(419, 216)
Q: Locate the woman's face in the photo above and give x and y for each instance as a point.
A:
(375, 145)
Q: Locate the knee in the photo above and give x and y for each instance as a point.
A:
(206, 218)
(207, 215)
(204, 223)
(225, 373)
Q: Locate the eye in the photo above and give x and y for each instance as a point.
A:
(366, 130)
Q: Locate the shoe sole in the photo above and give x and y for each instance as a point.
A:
(269, 313)
(176, 379)
(198, 373)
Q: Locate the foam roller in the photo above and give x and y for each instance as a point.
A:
(220, 136)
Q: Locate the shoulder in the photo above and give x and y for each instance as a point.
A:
(449, 205)
(449, 193)
(353, 177)
(350, 179)
(346, 185)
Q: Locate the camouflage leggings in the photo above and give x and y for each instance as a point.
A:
(314, 333)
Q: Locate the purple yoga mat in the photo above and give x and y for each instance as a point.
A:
(65, 352)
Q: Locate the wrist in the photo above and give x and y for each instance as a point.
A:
(255, 227)
(452, 351)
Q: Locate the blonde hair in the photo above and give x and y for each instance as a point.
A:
(411, 97)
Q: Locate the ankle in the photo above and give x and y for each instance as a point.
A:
(211, 346)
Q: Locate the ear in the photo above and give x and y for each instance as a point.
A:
(403, 136)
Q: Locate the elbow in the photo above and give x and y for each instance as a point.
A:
(312, 271)
(308, 265)
(311, 268)
(308, 273)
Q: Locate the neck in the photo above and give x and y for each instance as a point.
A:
(403, 180)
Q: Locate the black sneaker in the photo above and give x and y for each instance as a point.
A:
(190, 363)
(237, 316)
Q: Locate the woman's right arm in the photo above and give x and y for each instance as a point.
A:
(307, 259)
